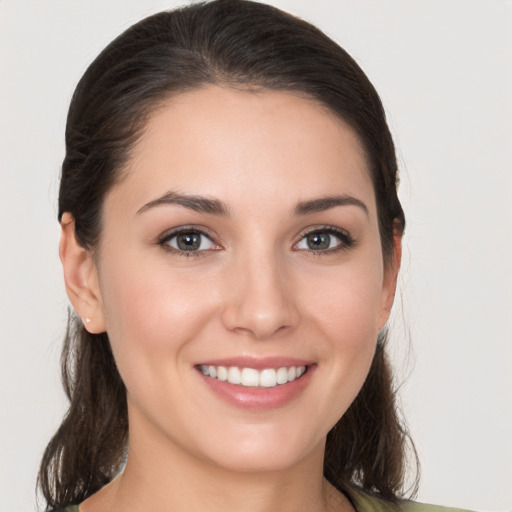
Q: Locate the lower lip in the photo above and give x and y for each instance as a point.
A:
(258, 398)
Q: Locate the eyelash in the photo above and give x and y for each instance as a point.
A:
(164, 240)
(346, 241)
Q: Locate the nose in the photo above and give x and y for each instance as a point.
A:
(259, 299)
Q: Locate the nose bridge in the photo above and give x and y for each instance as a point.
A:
(261, 302)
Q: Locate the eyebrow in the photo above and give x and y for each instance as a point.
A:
(326, 203)
(199, 204)
(210, 206)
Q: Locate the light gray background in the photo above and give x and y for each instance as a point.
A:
(443, 69)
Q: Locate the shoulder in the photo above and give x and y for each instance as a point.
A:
(366, 503)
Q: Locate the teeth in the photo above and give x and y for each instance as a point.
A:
(234, 375)
(250, 377)
(282, 376)
(222, 373)
(267, 378)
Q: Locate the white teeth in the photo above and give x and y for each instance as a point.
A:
(249, 377)
(267, 378)
(222, 373)
(234, 375)
(282, 375)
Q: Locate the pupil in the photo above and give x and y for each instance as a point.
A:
(189, 241)
(319, 241)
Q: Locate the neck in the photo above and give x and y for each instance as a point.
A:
(159, 475)
(182, 483)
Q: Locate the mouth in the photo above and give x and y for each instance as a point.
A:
(252, 377)
(257, 384)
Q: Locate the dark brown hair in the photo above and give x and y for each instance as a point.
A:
(239, 44)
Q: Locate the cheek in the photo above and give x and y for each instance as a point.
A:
(347, 303)
(150, 313)
(345, 314)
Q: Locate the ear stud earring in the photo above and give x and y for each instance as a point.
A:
(87, 319)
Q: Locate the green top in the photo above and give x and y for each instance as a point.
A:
(365, 503)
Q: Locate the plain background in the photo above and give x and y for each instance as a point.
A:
(443, 69)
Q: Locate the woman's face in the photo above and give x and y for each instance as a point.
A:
(243, 238)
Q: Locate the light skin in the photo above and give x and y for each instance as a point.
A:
(259, 167)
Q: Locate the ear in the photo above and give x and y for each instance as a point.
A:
(390, 278)
(81, 277)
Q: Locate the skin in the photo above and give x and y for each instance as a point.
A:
(257, 289)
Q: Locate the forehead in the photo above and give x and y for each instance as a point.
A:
(247, 145)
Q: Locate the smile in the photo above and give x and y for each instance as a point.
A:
(250, 377)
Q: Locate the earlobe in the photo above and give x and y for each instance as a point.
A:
(81, 277)
(390, 278)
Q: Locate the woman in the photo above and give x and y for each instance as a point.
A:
(231, 238)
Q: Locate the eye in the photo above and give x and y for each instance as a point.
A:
(327, 239)
(189, 241)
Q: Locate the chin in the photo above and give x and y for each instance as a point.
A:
(263, 450)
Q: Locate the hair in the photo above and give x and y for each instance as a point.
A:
(238, 44)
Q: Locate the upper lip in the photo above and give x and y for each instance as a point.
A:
(258, 363)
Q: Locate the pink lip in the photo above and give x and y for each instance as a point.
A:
(258, 399)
